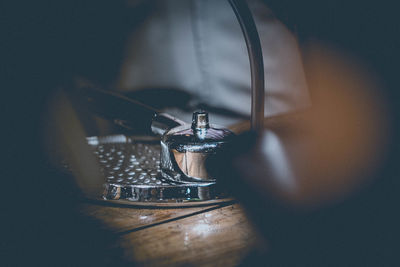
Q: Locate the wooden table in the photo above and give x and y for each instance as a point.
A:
(212, 235)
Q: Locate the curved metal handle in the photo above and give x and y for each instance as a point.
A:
(249, 30)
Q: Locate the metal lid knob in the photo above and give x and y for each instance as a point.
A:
(200, 120)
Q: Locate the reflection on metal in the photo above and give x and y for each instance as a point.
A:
(191, 163)
(185, 149)
(131, 166)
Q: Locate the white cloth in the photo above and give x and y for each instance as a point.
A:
(198, 46)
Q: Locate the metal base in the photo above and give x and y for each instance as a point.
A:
(131, 166)
(166, 205)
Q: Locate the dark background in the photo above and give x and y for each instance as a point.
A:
(44, 43)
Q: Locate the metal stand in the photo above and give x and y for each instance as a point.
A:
(131, 166)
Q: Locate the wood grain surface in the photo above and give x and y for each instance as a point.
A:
(220, 237)
(202, 236)
(121, 219)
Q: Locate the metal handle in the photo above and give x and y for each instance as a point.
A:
(249, 30)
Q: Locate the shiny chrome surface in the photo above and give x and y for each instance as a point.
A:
(200, 121)
(131, 166)
(185, 149)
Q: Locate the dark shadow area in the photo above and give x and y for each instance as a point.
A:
(47, 44)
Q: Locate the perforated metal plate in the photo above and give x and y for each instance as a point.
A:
(131, 166)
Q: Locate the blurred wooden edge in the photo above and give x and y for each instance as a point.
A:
(273, 121)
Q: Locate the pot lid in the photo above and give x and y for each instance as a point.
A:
(200, 136)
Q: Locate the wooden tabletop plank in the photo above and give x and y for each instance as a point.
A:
(221, 236)
(121, 219)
